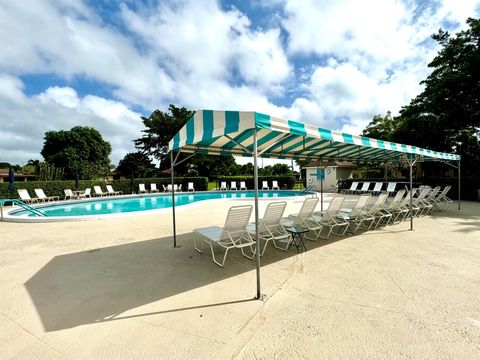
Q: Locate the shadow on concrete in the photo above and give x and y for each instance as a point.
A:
(98, 285)
(466, 220)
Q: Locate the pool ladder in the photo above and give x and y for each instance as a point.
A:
(310, 190)
(24, 206)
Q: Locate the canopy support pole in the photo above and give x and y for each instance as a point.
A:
(321, 188)
(183, 160)
(459, 185)
(173, 201)
(411, 162)
(255, 187)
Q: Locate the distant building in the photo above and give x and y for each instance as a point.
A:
(333, 171)
(114, 175)
(18, 176)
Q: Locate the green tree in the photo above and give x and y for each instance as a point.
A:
(445, 116)
(246, 169)
(265, 171)
(161, 127)
(281, 169)
(6, 165)
(80, 150)
(138, 164)
(209, 166)
(381, 127)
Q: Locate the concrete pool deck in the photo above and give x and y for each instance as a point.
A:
(117, 289)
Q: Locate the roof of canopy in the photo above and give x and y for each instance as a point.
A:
(231, 133)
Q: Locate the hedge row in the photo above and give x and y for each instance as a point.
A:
(284, 182)
(368, 174)
(55, 188)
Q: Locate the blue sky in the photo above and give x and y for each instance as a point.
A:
(106, 63)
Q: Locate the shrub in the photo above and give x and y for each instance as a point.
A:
(367, 174)
(55, 188)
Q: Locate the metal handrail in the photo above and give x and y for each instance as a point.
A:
(309, 189)
(23, 206)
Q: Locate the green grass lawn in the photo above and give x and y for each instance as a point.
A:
(212, 185)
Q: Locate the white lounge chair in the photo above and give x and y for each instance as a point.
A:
(354, 215)
(275, 185)
(413, 207)
(374, 215)
(233, 185)
(234, 234)
(265, 185)
(153, 188)
(402, 210)
(190, 187)
(242, 185)
(391, 187)
(429, 202)
(113, 192)
(98, 191)
(419, 205)
(364, 188)
(41, 196)
(304, 219)
(330, 220)
(169, 188)
(25, 196)
(377, 188)
(353, 188)
(394, 206)
(270, 228)
(223, 186)
(141, 189)
(86, 194)
(69, 194)
(442, 199)
(164, 188)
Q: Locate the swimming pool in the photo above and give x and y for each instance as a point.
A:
(128, 204)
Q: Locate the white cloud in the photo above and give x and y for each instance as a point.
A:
(62, 41)
(376, 29)
(338, 62)
(198, 43)
(11, 88)
(24, 124)
(65, 96)
(376, 54)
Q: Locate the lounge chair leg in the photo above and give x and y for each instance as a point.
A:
(195, 243)
(325, 237)
(265, 247)
(317, 235)
(286, 246)
(248, 256)
(215, 259)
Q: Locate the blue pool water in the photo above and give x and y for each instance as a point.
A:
(112, 205)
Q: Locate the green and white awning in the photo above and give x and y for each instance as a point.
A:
(231, 133)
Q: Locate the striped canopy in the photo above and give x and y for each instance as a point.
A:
(231, 133)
